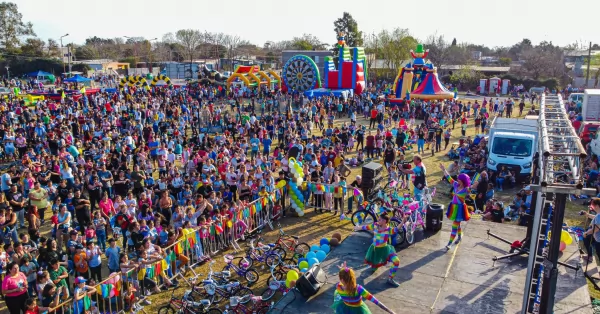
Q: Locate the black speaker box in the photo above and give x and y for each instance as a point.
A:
(308, 284)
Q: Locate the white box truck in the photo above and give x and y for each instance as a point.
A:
(512, 143)
(590, 107)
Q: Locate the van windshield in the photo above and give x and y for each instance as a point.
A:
(512, 146)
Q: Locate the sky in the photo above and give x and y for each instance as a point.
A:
(493, 23)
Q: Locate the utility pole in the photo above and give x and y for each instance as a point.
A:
(69, 53)
(589, 61)
(62, 51)
(7, 73)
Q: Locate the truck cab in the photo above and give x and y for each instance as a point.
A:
(512, 144)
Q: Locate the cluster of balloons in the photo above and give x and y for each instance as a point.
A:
(291, 278)
(565, 239)
(296, 179)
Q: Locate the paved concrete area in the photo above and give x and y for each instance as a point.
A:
(463, 280)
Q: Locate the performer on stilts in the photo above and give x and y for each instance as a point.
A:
(348, 296)
(457, 210)
(380, 252)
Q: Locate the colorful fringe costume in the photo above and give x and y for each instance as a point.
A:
(345, 303)
(457, 210)
(380, 252)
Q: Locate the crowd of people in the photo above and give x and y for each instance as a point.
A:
(118, 176)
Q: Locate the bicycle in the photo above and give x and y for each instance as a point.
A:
(217, 290)
(187, 305)
(290, 243)
(269, 254)
(275, 286)
(259, 306)
(412, 214)
(243, 270)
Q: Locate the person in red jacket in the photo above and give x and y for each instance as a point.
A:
(373, 121)
(370, 145)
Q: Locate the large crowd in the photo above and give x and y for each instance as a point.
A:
(118, 176)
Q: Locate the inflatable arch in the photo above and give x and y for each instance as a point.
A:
(134, 80)
(159, 78)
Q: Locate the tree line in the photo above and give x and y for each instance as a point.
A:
(386, 50)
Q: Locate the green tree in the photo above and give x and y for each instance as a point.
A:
(12, 26)
(348, 25)
(504, 61)
(189, 39)
(33, 47)
(454, 42)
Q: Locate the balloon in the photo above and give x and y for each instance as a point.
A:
(357, 192)
(229, 224)
(313, 261)
(565, 237)
(292, 275)
(338, 236)
(324, 241)
(563, 246)
(334, 242)
(303, 264)
(321, 255)
(315, 248)
(292, 283)
(280, 184)
(325, 248)
(304, 270)
(310, 255)
(287, 283)
(301, 214)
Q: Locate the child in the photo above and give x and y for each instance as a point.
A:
(348, 296)
(31, 306)
(29, 269)
(129, 297)
(112, 253)
(90, 233)
(328, 197)
(100, 226)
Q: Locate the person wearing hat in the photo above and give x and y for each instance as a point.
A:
(457, 210)
(81, 296)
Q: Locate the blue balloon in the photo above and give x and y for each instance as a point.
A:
(312, 262)
(304, 270)
(321, 255)
(324, 241)
(302, 259)
(325, 248)
(315, 247)
(310, 255)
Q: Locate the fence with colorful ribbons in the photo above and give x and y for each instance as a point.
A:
(123, 291)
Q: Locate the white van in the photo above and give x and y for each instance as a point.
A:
(576, 97)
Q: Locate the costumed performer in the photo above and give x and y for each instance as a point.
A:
(457, 210)
(380, 252)
(348, 296)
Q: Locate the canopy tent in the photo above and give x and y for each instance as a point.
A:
(78, 79)
(39, 73)
(42, 76)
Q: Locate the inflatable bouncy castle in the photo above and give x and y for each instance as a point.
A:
(301, 74)
(419, 80)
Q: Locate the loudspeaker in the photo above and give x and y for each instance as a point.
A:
(434, 217)
(308, 284)
(371, 170)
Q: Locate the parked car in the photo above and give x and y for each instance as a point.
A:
(587, 131)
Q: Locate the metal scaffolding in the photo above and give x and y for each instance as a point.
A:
(557, 174)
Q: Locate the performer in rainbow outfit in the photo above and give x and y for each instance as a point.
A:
(348, 296)
(457, 209)
(380, 252)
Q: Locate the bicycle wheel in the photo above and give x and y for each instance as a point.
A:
(301, 249)
(363, 217)
(251, 275)
(167, 309)
(214, 310)
(245, 294)
(401, 235)
(217, 297)
(410, 231)
(248, 261)
(272, 260)
(279, 251)
(268, 294)
(279, 275)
